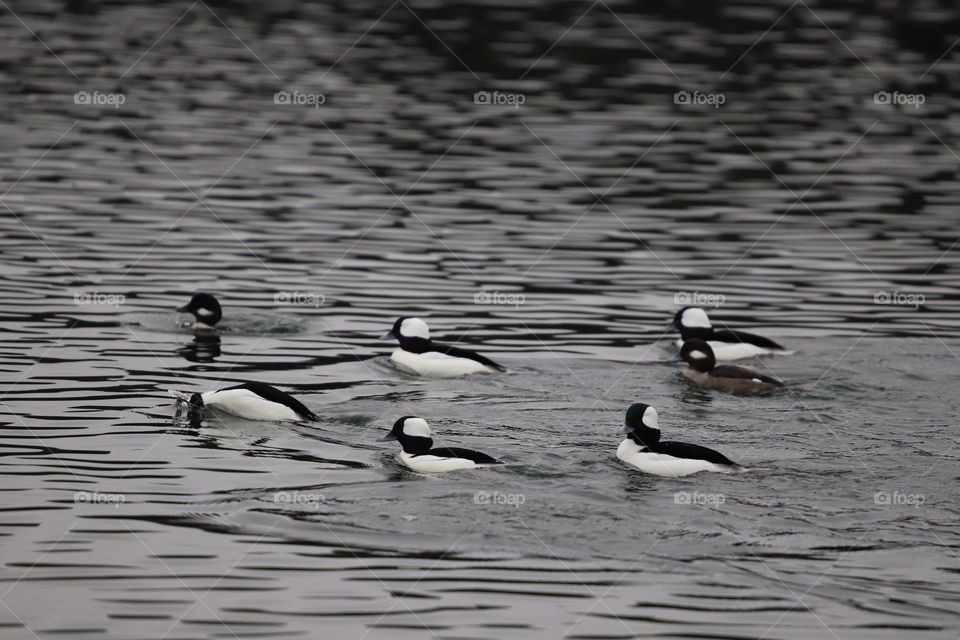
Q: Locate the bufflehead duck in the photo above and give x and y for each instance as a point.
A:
(417, 454)
(692, 322)
(703, 370)
(250, 400)
(205, 309)
(422, 355)
(643, 450)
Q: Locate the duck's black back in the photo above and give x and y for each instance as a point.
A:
(729, 335)
(691, 452)
(457, 452)
(273, 394)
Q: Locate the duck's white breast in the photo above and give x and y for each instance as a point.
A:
(436, 364)
(246, 404)
(662, 465)
(434, 464)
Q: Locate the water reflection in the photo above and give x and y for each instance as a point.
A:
(205, 347)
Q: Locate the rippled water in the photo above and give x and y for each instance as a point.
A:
(590, 212)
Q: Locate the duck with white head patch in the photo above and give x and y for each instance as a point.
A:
(702, 369)
(420, 354)
(249, 400)
(693, 322)
(205, 309)
(418, 453)
(643, 450)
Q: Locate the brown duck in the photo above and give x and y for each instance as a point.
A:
(702, 370)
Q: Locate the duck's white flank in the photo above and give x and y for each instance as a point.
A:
(434, 464)
(246, 404)
(436, 364)
(736, 350)
(663, 465)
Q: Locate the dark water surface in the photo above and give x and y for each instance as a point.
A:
(561, 234)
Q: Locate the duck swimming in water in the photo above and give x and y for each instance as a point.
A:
(702, 369)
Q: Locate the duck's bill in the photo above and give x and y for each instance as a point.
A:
(625, 429)
(387, 438)
(675, 358)
(184, 308)
(387, 335)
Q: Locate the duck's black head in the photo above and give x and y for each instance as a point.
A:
(196, 401)
(642, 424)
(413, 434)
(413, 333)
(204, 308)
(692, 322)
(195, 410)
(698, 355)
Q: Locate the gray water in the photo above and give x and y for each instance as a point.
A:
(799, 208)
